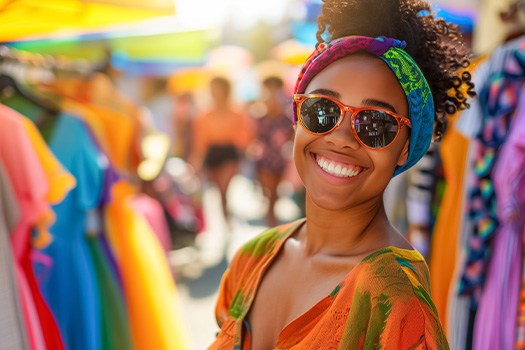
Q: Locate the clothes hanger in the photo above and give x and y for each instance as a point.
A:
(9, 86)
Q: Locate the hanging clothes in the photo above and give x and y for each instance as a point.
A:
(60, 181)
(458, 308)
(454, 152)
(454, 148)
(120, 129)
(486, 124)
(498, 97)
(28, 179)
(115, 329)
(12, 327)
(520, 318)
(70, 285)
(150, 292)
(498, 309)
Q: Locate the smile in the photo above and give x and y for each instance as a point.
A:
(337, 169)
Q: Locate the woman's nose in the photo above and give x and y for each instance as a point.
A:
(343, 135)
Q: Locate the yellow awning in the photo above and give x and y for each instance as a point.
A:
(291, 51)
(37, 19)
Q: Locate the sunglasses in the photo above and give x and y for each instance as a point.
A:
(373, 127)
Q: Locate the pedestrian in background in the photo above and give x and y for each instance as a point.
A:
(221, 135)
(274, 132)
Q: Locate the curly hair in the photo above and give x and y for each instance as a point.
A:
(435, 45)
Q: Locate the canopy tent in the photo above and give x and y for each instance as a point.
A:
(130, 51)
(292, 51)
(37, 19)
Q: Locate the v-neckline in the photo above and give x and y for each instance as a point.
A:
(328, 298)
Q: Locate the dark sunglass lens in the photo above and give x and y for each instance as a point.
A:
(376, 129)
(319, 115)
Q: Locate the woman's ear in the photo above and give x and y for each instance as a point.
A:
(403, 156)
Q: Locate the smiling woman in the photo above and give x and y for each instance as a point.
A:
(365, 103)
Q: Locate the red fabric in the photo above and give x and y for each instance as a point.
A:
(50, 330)
(30, 187)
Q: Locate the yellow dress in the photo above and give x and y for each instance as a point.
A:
(149, 288)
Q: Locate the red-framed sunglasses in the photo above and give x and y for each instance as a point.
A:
(373, 127)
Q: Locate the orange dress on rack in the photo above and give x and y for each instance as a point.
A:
(119, 129)
(149, 287)
(454, 148)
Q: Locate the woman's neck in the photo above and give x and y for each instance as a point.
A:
(349, 232)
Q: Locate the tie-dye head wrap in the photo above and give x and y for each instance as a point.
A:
(414, 84)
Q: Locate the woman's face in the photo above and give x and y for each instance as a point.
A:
(219, 92)
(357, 80)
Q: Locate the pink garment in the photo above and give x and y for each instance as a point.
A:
(495, 326)
(154, 214)
(29, 183)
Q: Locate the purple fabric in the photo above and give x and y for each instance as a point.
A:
(496, 318)
(111, 176)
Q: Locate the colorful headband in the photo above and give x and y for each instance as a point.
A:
(414, 84)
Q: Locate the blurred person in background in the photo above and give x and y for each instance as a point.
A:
(273, 132)
(156, 99)
(221, 135)
(183, 115)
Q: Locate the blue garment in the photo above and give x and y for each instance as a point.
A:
(69, 285)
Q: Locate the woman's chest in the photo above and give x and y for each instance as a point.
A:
(290, 296)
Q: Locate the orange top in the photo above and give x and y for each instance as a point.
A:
(216, 128)
(119, 130)
(383, 302)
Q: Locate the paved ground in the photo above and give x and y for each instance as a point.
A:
(199, 270)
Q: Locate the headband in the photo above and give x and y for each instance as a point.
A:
(414, 84)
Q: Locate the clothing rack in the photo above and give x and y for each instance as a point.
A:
(34, 67)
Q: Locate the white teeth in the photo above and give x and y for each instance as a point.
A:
(337, 169)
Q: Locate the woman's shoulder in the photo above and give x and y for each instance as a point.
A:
(394, 271)
(391, 295)
(399, 277)
(263, 246)
(270, 240)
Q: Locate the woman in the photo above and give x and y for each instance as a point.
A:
(274, 132)
(220, 137)
(343, 277)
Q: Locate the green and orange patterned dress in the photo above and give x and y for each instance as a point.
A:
(382, 303)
